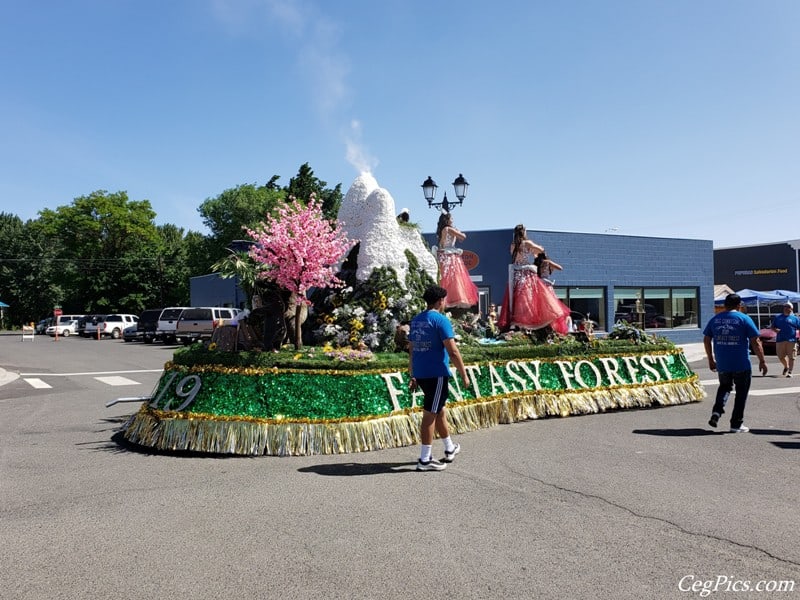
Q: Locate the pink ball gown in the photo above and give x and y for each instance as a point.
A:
(534, 304)
(454, 277)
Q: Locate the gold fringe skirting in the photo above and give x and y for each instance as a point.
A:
(191, 432)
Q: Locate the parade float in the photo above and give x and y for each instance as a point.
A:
(347, 390)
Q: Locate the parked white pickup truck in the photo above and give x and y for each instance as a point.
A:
(196, 324)
(110, 325)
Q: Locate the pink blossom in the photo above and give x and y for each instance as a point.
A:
(299, 248)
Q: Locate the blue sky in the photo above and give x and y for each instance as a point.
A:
(676, 118)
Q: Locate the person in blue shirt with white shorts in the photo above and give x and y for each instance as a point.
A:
(432, 346)
(732, 334)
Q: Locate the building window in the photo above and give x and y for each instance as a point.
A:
(658, 307)
(484, 294)
(684, 307)
(588, 301)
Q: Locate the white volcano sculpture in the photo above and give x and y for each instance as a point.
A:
(368, 214)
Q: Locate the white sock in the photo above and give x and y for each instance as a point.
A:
(425, 454)
(448, 444)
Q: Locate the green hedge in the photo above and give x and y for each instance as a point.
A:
(314, 358)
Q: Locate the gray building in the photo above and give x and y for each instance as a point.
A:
(213, 290)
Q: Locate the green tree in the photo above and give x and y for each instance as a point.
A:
(113, 245)
(172, 267)
(29, 271)
(201, 251)
(306, 185)
(235, 208)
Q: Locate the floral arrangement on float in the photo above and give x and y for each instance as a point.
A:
(341, 386)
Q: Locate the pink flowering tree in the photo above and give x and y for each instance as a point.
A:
(299, 250)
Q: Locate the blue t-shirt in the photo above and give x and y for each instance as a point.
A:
(731, 332)
(427, 333)
(787, 326)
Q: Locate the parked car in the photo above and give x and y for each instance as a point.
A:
(92, 324)
(63, 328)
(110, 325)
(196, 324)
(133, 334)
(167, 323)
(41, 326)
(83, 321)
(147, 326)
(627, 312)
(68, 318)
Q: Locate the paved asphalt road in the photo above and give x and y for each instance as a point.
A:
(633, 504)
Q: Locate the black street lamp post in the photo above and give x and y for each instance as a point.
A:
(429, 188)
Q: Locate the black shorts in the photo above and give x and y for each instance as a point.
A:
(436, 390)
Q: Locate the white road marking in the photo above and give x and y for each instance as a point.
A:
(116, 380)
(791, 390)
(89, 373)
(37, 383)
(752, 392)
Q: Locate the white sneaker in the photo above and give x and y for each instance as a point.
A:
(740, 429)
(430, 465)
(451, 456)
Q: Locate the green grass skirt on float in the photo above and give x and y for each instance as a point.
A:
(219, 409)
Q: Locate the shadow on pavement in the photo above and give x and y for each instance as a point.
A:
(353, 469)
(687, 432)
(773, 431)
(787, 445)
(117, 443)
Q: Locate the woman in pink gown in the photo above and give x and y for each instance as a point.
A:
(531, 303)
(453, 274)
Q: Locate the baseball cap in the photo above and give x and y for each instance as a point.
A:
(789, 304)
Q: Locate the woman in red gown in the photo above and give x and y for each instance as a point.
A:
(529, 303)
(453, 274)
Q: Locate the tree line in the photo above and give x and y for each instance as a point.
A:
(103, 253)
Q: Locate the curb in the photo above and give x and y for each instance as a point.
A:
(694, 352)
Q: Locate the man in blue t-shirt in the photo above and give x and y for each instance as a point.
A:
(786, 326)
(432, 344)
(732, 333)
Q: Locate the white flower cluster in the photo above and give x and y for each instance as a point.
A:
(373, 327)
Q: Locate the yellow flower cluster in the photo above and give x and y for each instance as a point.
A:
(380, 301)
(355, 326)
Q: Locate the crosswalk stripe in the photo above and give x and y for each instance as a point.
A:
(37, 383)
(752, 392)
(116, 380)
(791, 390)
